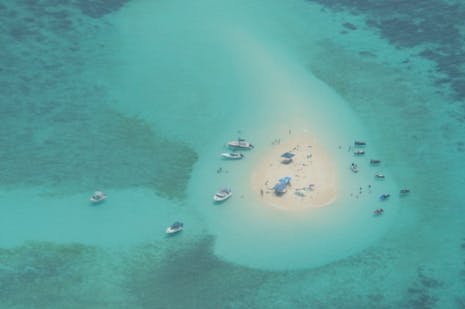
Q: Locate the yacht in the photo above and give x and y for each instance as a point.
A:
(222, 195)
(174, 228)
(232, 156)
(98, 197)
(240, 144)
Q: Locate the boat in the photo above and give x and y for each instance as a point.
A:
(232, 156)
(359, 143)
(354, 167)
(379, 176)
(375, 161)
(287, 157)
(281, 187)
(359, 152)
(98, 197)
(384, 196)
(174, 228)
(240, 144)
(404, 191)
(378, 212)
(222, 195)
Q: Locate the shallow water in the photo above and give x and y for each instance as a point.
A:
(138, 98)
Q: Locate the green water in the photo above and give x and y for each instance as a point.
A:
(138, 100)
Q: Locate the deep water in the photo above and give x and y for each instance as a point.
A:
(76, 115)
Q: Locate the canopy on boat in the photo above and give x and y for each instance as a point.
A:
(288, 155)
(282, 184)
(279, 187)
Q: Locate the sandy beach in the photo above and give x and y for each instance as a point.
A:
(312, 171)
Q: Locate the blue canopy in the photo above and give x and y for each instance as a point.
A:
(288, 155)
(279, 187)
(282, 184)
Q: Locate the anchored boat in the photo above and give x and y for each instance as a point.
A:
(232, 156)
(98, 197)
(222, 195)
(240, 144)
(174, 228)
(384, 196)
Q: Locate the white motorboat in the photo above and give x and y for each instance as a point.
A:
(240, 144)
(379, 176)
(232, 156)
(222, 195)
(174, 228)
(98, 197)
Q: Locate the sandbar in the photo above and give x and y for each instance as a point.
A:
(314, 181)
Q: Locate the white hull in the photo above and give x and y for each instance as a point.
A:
(95, 201)
(170, 230)
(240, 145)
(231, 156)
(98, 197)
(220, 198)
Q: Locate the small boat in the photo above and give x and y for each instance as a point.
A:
(360, 143)
(287, 157)
(354, 167)
(240, 144)
(359, 152)
(379, 176)
(281, 187)
(98, 197)
(384, 196)
(404, 191)
(174, 228)
(378, 212)
(375, 161)
(232, 156)
(222, 195)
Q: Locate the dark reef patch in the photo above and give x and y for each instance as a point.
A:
(110, 151)
(99, 8)
(349, 26)
(435, 24)
(421, 293)
(192, 278)
(367, 54)
(58, 129)
(91, 8)
(36, 275)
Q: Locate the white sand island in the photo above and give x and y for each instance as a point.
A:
(313, 174)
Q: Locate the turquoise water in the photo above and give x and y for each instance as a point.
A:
(138, 98)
